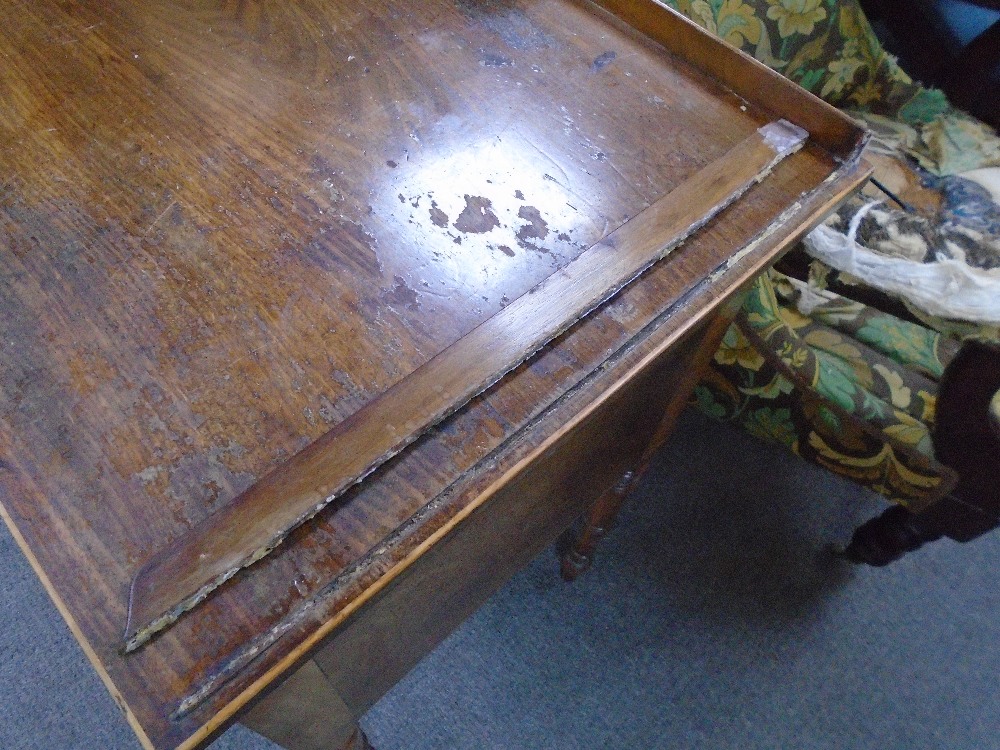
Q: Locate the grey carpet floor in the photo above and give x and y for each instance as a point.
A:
(714, 618)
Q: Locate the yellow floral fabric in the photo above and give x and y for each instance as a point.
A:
(950, 144)
(829, 48)
(846, 387)
(795, 16)
(825, 46)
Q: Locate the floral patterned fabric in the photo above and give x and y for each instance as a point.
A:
(825, 46)
(949, 144)
(829, 48)
(846, 386)
(843, 384)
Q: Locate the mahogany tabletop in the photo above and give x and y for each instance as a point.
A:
(226, 225)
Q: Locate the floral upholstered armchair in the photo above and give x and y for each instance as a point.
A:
(872, 350)
(855, 360)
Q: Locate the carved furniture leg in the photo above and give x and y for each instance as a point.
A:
(306, 713)
(966, 439)
(889, 536)
(576, 551)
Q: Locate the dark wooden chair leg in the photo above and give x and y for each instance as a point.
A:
(576, 553)
(966, 439)
(889, 536)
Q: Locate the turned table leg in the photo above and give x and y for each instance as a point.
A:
(306, 713)
(576, 551)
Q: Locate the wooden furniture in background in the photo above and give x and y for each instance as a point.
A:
(227, 227)
(966, 439)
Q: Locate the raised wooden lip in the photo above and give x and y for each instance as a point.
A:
(245, 530)
(743, 74)
(149, 612)
(844, 141)
(847, 179)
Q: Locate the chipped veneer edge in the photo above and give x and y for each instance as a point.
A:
(772, 229)
(783, 137)
(228, 711)
(325, 629)
(266, 640)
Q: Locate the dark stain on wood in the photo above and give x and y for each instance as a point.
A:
(402, 295)
(438, 217)
(603, 60)
(536, 228)
(477, 217)
(490, 59)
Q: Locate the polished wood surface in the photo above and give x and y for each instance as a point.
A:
(742, 74)
(254, 523)
(227, 226)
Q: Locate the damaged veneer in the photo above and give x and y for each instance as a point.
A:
(178, 577)
(289, 223)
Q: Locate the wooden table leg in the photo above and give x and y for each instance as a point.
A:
(306, 713)
(576, 552)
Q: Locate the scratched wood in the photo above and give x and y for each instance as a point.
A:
(227, 226)
(244, 530)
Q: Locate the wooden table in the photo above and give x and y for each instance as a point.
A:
(227, 226)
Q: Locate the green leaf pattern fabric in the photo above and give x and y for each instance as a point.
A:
(828, 47)
(825, 46)
(846, 386)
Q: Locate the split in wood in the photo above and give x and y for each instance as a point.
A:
(245, 530)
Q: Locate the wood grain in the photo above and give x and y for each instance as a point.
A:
(744, 75)
(254, 523)
(205, 264)
(378, 646)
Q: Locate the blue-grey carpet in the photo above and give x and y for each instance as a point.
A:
(713, 618)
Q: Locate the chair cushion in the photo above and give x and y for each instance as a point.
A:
(846, 386)
(828, 47)
(843, 384)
